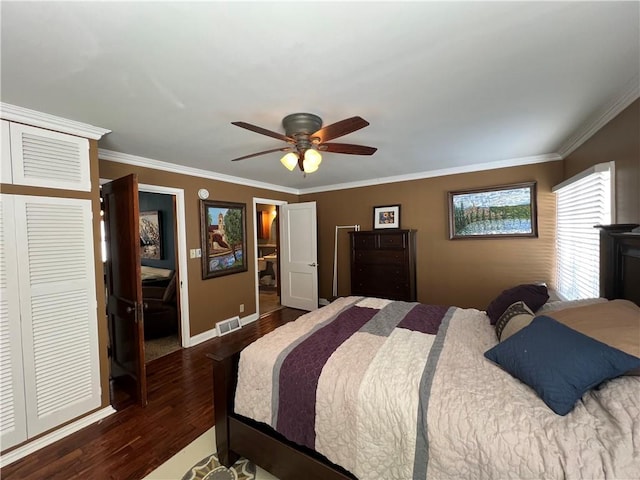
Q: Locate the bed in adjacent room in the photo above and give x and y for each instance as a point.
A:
(377, 389)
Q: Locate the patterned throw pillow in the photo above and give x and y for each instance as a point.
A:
(534, 296)
(515, 318)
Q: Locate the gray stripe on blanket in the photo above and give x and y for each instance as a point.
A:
(421, 457)
(387, 319)
(275, 379)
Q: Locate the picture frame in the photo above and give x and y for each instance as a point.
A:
(223, 237)
(150, 229)
(386, 217)
(495, 212)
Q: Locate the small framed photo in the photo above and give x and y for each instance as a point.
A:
(494, 212)
(386, 217)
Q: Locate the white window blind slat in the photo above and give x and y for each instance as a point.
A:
(581, 205)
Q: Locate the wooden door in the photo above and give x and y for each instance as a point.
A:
(299, 256)
(124, 288)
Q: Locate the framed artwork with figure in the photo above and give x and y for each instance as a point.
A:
(224, 240)
(150, 235)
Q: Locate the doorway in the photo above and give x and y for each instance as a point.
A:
(267, 242)
(174, 242)
(176, 252)
(159, 274)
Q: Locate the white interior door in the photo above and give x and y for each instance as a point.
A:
(299, 256)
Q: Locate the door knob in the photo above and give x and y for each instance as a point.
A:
(314, 264)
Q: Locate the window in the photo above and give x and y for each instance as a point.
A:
(583, 201)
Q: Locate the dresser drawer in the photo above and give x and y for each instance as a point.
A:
(392, 240)
(364, 242)
(380, 257)
(380, 274)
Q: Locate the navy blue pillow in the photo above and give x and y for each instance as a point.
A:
(559, 363)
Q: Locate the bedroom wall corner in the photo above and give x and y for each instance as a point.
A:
(466, 273)
(619, 141)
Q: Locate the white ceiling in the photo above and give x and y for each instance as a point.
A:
(446, 86)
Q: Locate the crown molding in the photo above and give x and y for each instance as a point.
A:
(629, 94)
(14, 113)
(514, 162)
(195, 172)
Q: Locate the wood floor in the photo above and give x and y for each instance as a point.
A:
(133, 442)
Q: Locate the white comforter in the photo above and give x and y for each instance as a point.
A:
(480, 421)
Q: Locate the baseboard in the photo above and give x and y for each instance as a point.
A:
(203, 337)
(213, 333)
(248, 319)
(54, 436)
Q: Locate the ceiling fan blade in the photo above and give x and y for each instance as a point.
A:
(264, 131)
(346, 148)
(340, 128)
(282, 149)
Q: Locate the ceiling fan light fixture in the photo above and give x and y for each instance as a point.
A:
(290, 161)
(312, 160)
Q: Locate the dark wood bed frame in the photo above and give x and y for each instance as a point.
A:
(237, 436)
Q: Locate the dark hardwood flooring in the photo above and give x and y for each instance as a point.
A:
(134, 441)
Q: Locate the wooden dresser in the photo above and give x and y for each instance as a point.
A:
(383, 264)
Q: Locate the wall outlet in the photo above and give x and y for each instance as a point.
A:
(241, 307)
(198, 253)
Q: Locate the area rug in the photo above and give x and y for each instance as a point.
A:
(209, 468)
(159, 347)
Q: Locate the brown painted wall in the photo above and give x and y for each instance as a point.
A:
(619, 141)
(466, 273)
(218, 298)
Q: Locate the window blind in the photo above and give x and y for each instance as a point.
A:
(583, 201)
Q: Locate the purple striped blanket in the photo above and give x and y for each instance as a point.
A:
(316, 373)
(402, 391)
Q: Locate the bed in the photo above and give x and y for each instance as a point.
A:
(430, 403)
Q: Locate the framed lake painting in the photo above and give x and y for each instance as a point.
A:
(224, 240)
(495, 212)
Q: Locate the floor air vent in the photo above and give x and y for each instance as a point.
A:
(228, 326)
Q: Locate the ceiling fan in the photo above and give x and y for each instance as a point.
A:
(306, 137)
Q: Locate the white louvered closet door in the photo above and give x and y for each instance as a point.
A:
(42, 158)
(13, 423)
(58, 309)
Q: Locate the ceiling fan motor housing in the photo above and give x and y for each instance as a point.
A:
(301, 123)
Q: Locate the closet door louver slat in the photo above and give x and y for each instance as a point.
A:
(58, 304)
(13, 423)
(5, 154)
(42, 158)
